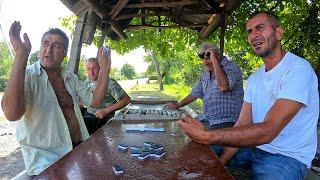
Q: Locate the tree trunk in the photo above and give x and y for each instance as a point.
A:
(157, 66)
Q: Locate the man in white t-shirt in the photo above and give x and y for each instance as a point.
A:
(279, 115)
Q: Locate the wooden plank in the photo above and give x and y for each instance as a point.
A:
(96, 7)
(167, 13)
(223, 32)
(163, 4)
(117, 8)
(229, 6)
(76, 45)
(90, 27)
(115, 27)
(147, 26)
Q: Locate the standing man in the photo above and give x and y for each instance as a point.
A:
(44, 98)
(115, 98)
(220, 87)
(280, 111)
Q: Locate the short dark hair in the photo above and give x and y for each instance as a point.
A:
(58, 31)
(271, 16)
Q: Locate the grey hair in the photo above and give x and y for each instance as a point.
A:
(57, 31)
(204, 46)
(93, 59)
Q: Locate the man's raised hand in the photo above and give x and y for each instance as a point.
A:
(20, 48)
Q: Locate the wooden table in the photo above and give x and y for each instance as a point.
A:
(94, 158)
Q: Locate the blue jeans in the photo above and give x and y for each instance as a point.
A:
(265, 165)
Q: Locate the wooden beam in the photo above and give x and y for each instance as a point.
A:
(96, 7)
(163, 4)
(90, 27)
(117, 8)
(211, 27)
(135, 27)
(167, 13)
(223, 32)
(76, 45)
(229, 6)
(115, 27)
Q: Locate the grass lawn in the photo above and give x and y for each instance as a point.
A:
(174, 92)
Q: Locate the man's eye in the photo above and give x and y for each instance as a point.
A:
(260, 27)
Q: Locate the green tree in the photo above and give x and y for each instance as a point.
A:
(128, 71)
(175, 49)
(5, 60)
(33, 57)
(115, 74)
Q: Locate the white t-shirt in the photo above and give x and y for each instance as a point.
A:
(292, 78)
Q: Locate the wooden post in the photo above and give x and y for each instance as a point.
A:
(76, 45)
(223, 32)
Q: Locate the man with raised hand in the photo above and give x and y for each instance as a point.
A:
(44, 98)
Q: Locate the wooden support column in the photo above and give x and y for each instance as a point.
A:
(76, 45)
(103, 36)
(223, 32)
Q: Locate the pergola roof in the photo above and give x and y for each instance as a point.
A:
(114, 16)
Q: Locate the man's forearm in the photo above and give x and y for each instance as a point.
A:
(125, 100)
(101, 88)
(187, 100)
(241, 136)
(13, 99)
(221, 78)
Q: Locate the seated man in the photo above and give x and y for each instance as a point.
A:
(44, 98)
(220, 87)
(115, 98)
(279, 115)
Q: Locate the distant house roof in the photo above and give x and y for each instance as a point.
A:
(114, 16)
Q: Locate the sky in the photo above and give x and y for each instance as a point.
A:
(37, 16)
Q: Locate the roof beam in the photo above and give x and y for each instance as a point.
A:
(167, 13)
(146, 26)
(96, 7)
(163, 4)
(116, 28)
(216, 22)
(117, 8)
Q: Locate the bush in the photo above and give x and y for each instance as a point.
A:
(3, 82)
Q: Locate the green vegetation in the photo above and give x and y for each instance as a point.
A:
(171, 53)
(128, 71)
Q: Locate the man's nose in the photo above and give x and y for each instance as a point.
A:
(49, 48)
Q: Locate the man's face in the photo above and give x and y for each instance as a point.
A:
(52, 51)
(207, 62)
(263, 36)
(93, 70)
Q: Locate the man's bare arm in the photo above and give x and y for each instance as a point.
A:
(13, 100)
(103, 78)
(279, 115)
(124, 100)
(187, 100)
(219, 73)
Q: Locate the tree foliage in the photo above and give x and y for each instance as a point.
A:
(128, 71)
(5, 60)
(176, 49)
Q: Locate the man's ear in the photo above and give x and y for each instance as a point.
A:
(279, 32)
